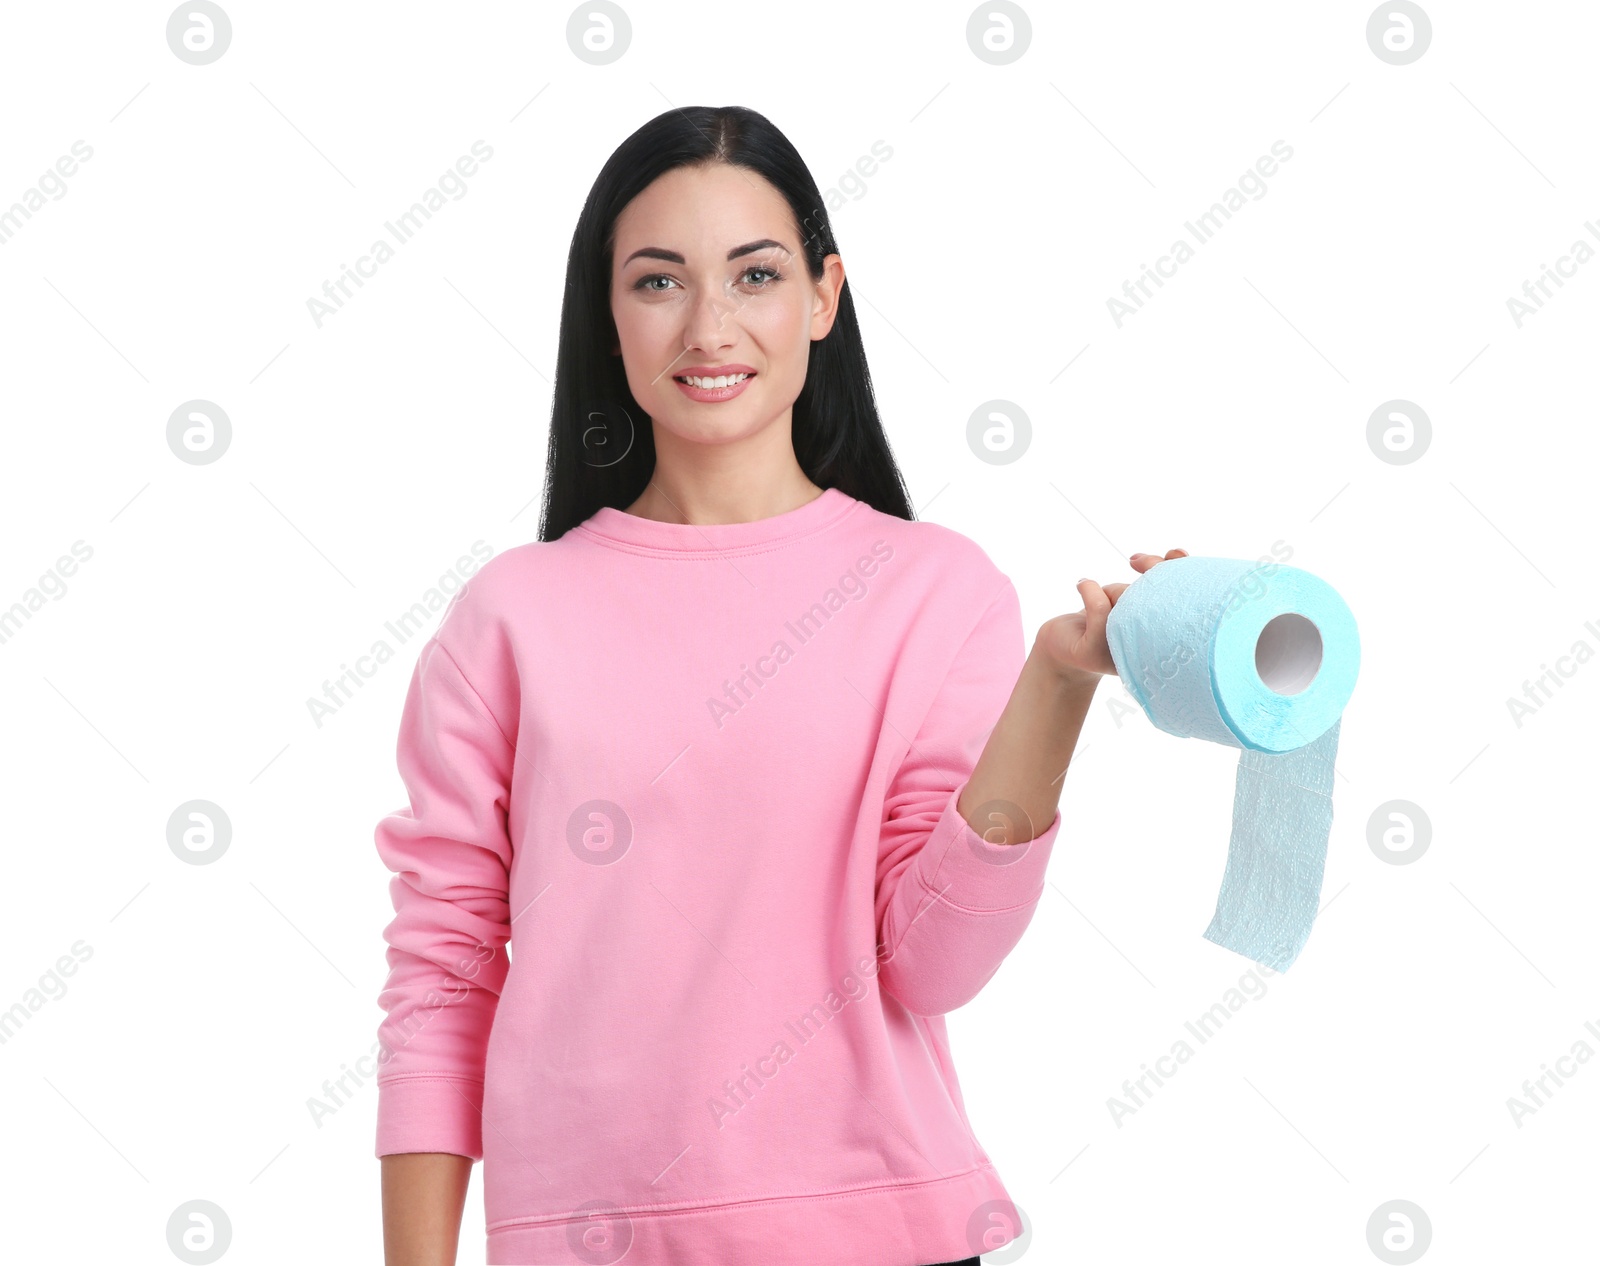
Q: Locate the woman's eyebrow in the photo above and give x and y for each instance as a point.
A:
(672, 257)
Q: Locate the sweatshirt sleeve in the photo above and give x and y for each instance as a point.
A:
(451, 855)
(950, 904)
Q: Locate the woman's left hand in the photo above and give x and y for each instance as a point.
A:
(1075, 644)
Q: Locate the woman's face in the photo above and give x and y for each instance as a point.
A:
(708, 280)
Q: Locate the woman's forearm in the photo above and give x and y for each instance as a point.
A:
(1024, 762)
(423, 1195)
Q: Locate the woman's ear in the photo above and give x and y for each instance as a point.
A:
(826, 306)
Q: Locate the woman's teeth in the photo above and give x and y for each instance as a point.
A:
(724, 380)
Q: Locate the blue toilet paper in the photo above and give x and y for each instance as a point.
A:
(1262, 657)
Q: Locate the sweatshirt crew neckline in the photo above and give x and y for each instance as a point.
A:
(619, 528)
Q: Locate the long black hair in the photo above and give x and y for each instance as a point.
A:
(602, 451)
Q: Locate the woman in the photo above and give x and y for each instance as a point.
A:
(708, 828)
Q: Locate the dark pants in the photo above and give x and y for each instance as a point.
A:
(965, 1261)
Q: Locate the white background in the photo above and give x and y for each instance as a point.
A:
(1231, 412)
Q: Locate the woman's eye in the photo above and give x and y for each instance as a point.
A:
(766, 276)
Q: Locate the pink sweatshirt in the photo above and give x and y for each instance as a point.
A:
(682, 896)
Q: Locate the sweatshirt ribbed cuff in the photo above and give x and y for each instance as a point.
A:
(430, 1114)
(969, 871)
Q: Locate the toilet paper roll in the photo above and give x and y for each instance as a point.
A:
(1262, 657)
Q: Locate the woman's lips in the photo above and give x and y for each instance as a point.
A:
(712, 395)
